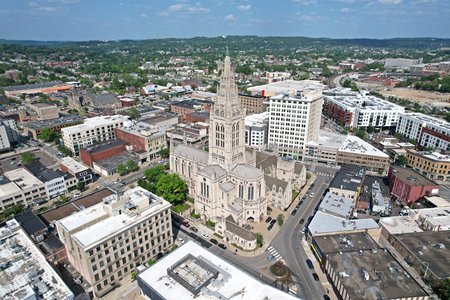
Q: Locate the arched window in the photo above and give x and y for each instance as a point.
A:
(250, 192)
(241, 191)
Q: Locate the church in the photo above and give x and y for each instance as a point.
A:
(231, 184)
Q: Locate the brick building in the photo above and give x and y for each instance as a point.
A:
(253, 104)
(409, 186)
(93, 153)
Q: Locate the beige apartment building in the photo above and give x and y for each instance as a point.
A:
(97, 129)
(253, 104)
(20, 186)
(108, 241)
(433, 165)
(355, 151)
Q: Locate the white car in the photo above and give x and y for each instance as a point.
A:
(180, 240)
(205, 236)
(311, 195)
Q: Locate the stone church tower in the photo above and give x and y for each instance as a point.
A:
(227, 127)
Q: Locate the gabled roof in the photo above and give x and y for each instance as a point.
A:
(247, 172)
(213, 171)
(234, 228)
(191, 153)
(271, 181)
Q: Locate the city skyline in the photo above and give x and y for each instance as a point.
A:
(77, 20)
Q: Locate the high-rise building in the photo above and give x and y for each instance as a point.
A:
(294, 120)
(107, 241)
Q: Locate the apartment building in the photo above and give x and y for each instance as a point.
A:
(294, 120)
(432, 165)
(253, 104)
(93, 130)
(323, 150)
(108, 241)
(10, 126)
(429, 132)
(5, 145)
(358, 152)
(361, 110)
(146, 140)
(256, 130)
(20, 186)
(54, 180)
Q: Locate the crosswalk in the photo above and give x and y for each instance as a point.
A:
(325, 174)
(106, 183)
(275, 253)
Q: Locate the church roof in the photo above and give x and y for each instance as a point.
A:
(265, 161)
(238, 230)
(213, 170)
(191, 153)
(247, 172)
(298, 168)
(271, 181)
(227, 186)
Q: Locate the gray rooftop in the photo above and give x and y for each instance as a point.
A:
(191, 153)
(348, 178)
(336, 243)
(104, 146)
(432, 247)
(337, 205)
(273, 181)
(39, 85)
(326, 223)
(61, 122)
(373, 275)
(247, 172)
(110, 164)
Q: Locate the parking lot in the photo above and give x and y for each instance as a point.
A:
(13, 162)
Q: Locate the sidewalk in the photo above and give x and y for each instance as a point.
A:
(322, 276)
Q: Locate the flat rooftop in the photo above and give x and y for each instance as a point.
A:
(73, 165)
(23, 178)
(428, 119)
(80, 204)
(111, 163)
(143, 129)
(96, 224)
(373, 275)
(364, 102)
(400, 224)
(103, 146)
(288, 85)
(349, 177)
(60, 122)
(25, 272)
(327, 223)
(432, 247)
(33, 86)
(328, 140)
(411, 177)
(91, 123)
(435, 156)
(336, 243)
(203, 276)
(367, 185)
(337, 205)
(354, 144)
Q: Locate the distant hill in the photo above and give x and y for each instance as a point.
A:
(256, 41)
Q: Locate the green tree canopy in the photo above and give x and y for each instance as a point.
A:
(172, 188)
(401, 160)
(153, 174)
(443, 289)
(47, 135)
(259, 240)
(280, 219)
(122, 169)
(27, 158)
(361, 133)
(132, 166)
(164, 153)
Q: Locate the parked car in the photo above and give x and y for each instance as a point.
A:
(180, 240)
(205, 236)
(273, 222)
(310, 264)
(311, 195)
(294, 211)
(326, 297)
(302, 221)
(270, 227)
(185, 223)
(316, 277)
(214, 241)
(268, 219)
(269, 210)
(194, 229)
(222, 246)
(270, 257)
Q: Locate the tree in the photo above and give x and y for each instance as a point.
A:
(370, 129)
(164, 153)
(27, 158)
(401, 160)
(172, 188)
(153, 174)
(47, 135)
(121, 169)
(443, 289)
(259, 240)
(132, 166)
(150, 261)
(361, 133)
(80, 186)
(133, 275)
(280, 219)
(133, 113)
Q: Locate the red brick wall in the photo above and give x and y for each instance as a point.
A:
(137, 142)
(89, 158)
(192, 119)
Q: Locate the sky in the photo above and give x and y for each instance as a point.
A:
(77, 20)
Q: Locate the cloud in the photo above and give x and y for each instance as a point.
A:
(244, 7)
(46, 8)
(230, 18)
(305, 2)
(143, 15)
(185, 9)
(346, 1)
(308, 18)
(390, 2)
(345, 10)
